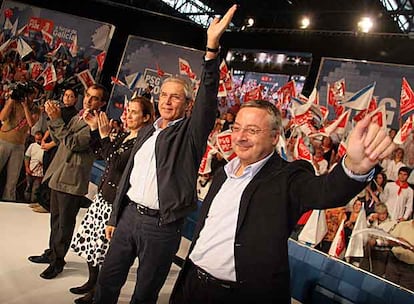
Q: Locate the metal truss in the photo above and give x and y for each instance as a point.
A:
(402, 12)
(195, 10)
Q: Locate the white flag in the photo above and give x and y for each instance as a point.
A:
(315, 229)
(357, 241)
(361, 99)
(338, 244)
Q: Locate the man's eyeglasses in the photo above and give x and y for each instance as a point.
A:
(249, 130)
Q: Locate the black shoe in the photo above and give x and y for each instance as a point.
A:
(39, 259)
(85, 288)
(86, 299)
(51, 272)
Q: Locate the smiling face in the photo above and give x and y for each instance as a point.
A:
(135, 117)
(172, 103)
(251, 148)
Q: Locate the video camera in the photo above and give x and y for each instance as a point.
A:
(21, 90)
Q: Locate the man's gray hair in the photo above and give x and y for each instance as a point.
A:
(276, 117)
(187, 86)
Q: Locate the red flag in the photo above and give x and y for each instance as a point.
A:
(224, 145)
(336, 92)
(185, 69)
(100, 59)
(341, 149)
(205, 165)
(371, 107)
(8, 13)
(254, 94)
(159, 71)
(301, 151)
(86, 78)
(35, 69)
(48, 38)
(338, 244)
(49, 75)
(407, 98)
(285, 93)
(405, 131)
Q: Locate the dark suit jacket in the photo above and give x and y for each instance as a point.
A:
(178, 149)
(270, 207)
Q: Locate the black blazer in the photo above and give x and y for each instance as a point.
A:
(270, 207)
(178, 149)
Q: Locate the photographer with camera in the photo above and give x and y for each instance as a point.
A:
(18, 116)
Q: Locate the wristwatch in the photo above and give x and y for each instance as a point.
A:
(216, 50)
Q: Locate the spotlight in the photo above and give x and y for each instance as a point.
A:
(262, 57)
(250, 22)
(229, 56)
(365, 24)
(304, 23)
(244, 57)
(243, 27)
(280, 58)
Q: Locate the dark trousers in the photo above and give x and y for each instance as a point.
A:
(138, 235)
(64, 208)
(193, 288)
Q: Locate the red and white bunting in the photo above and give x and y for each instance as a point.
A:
(407, 98)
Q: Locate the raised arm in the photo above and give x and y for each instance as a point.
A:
(368, 144)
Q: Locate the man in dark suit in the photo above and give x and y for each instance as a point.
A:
(239, 251)
(157, 189)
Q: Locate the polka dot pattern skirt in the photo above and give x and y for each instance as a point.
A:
(89, 242)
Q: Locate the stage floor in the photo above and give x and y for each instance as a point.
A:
(24, 233)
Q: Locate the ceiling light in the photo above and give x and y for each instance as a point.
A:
(280, 58)
(250, 22)
(304, 23)
(365, 24)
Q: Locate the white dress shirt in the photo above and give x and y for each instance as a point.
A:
(214, 249)
(143, 178)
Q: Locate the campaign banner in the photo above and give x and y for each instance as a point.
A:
(359, 74)
(72, 43)
(146, 62)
